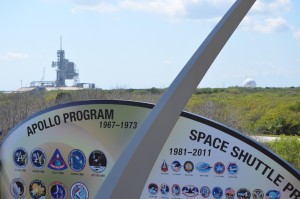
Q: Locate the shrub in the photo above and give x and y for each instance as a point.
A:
(295, 107)
(288, 147)
(63, 97)
(279, 120)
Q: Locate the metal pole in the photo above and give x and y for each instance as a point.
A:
(131, 170)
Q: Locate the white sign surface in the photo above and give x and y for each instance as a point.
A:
(68, 150)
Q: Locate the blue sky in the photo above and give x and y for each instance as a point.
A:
(145, 43)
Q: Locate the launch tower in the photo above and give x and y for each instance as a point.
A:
(64, 69)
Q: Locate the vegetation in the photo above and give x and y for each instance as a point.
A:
(288, 147)
(253, 111)
(260, 111)
(14, 107)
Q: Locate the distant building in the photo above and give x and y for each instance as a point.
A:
(65, 70)
(249, 83)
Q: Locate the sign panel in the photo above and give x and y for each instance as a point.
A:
(204, 159)
(68, 150)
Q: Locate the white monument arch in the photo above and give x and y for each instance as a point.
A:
(111, 149)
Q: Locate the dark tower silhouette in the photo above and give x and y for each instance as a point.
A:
(65, 69)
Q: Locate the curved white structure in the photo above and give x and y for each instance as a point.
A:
(249, 83)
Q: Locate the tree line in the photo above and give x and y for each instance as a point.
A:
(259, 111)
(269, 111)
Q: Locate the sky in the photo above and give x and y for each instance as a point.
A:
(145, 43)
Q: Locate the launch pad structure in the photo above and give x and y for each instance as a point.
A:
(65, 70)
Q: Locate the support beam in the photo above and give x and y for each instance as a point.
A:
(131, 170)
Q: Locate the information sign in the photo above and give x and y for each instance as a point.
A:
(67, 151)
(204, 159)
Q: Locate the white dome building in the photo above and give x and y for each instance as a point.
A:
(249, 83)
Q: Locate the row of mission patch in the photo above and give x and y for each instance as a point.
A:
(76, 160)
(191, 191)
(202, 167)
(55, 190)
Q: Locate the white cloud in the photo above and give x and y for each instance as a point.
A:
(169, 8)
(178, 8)
(98, 7)
(13, 56)
(296, 35)
(268, 7)
(272, 25)
(208, 11)
(268, 25)
(167, 62)
(266, 16)
(187, 9)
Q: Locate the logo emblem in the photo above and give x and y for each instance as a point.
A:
(20, 157)
(18, 188)
(243, 193)
(229, 193)
(77, 160)
(57, 190)
(38, 158)
(217, 192)
(203, 167)
(190, 191)
(164, 166)
(273, 194)
(97, 161)
(37, 189)
(188, 166)
(176, 166)
(79, 191)
(205, 192)
(219, 168)
(153, 188)
(164, 189)
(258, 194)
(176, 190)
(57, 162)
(232, 168)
